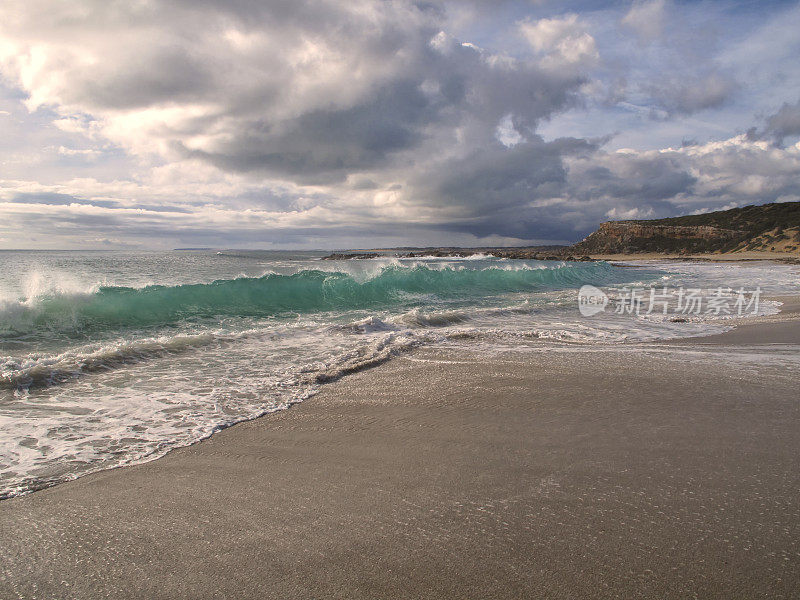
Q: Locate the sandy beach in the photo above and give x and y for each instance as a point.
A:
(646, 471)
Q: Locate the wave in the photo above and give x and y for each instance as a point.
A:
(276, 295)
(433, 257)
(366, 357)
(44, 371)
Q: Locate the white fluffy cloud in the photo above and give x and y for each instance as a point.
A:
(646, 18)
(564, 41)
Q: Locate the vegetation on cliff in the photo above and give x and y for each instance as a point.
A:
(771, 227)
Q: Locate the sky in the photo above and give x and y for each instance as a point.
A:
(155, 124)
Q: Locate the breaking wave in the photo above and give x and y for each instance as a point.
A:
(275, 295)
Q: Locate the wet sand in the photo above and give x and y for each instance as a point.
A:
(651, 471)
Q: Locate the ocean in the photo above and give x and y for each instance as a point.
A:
(113, 358)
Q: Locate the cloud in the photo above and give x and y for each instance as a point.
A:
(322, 122)
(679, 73)
(733, 172)
(646, 19)
(547, 192)
(616, 214)
(306, 91)
(785, 122)
(687, 95)
(564, 41)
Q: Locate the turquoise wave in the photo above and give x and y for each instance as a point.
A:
(272, 295)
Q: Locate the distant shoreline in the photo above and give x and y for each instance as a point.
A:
(537, 253)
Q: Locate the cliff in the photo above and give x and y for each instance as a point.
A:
(774, 227)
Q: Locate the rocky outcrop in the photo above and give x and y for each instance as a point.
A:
(350, 256)
(759, 227)
(629, 237)
(530, 253)
(518, 253)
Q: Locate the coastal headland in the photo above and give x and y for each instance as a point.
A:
(764, 232)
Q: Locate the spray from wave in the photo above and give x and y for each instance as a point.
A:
(274, 294)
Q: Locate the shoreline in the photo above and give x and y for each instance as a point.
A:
(658, 475)
(781, 328)
(324, 377)
(789, 310)
(534, 253)
(778, 257)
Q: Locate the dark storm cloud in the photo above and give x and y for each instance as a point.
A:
(444, 87)
(645, 179)
(497, 177)
(307, 91)
(325, 145)
(786, 122)
(557, 190)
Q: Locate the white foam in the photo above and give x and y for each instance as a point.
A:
(773, 278)
(77, 409)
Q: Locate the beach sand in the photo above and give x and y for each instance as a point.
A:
(648, 471)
